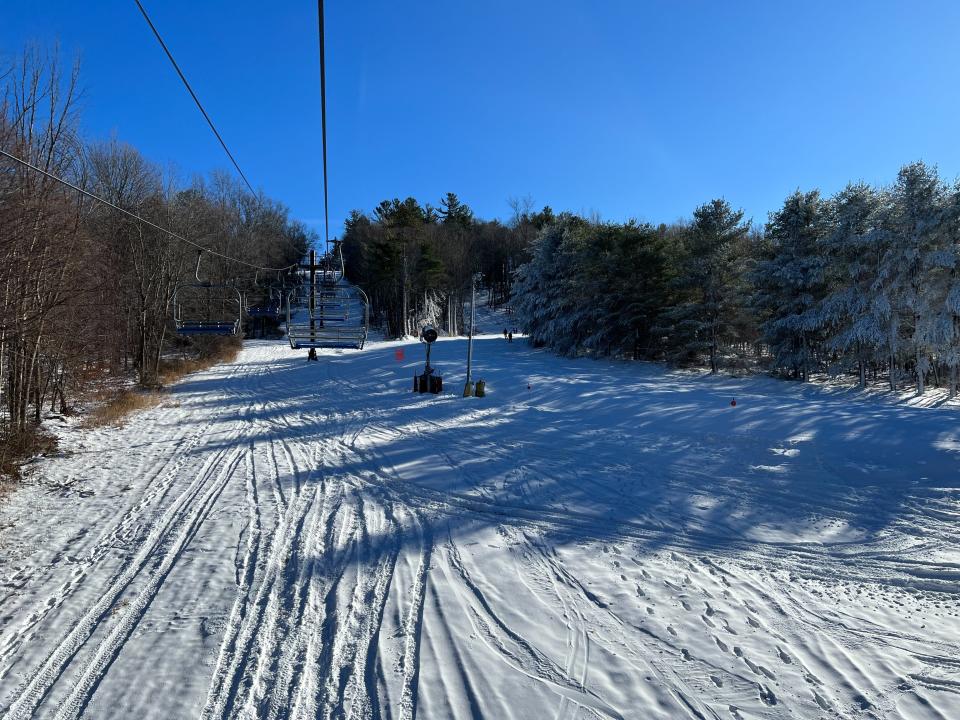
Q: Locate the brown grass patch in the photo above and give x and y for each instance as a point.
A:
(116, 408)
(211, 351)
(16, 450)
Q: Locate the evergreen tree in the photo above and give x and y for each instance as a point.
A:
(539, 301)
(850, 314)
(415, 264)
(915, 221)
(429, 273)
(944, 291)
(402, 223)
(454, 212)
(791, 283)
(707, 304)
(593, 287)
(626, 289)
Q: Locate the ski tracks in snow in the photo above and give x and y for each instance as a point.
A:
(129, 594)
(304, 635)
(127, 530)
(354, 588)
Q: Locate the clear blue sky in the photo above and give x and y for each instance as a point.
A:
(623, 108)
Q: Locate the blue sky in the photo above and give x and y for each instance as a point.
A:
(624, 109)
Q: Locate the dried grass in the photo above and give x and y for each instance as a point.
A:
(115, 409)
(212, 351)
(17, 449)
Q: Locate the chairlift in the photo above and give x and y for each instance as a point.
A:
(273, 305)
(270, 304)
(313, 322)
(207, 308)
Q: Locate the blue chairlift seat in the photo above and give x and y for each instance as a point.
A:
(208, 328)
(272, 310)
(199, 318)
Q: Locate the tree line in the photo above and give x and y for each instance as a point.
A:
(864, 282)
(415, 261)
(87, 290)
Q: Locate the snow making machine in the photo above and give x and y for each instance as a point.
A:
(429, 380)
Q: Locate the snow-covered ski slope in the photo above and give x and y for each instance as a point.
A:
(291, 539)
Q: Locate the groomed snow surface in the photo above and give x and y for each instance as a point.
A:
(292, 539)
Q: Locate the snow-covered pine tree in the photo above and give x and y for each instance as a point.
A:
(585, 278)
(943, 288)
(593, 287)
(538, 295)
(852, 319)
(791, 283)
(637, 264)
(706, 304)
(613, 276)
(915, 220)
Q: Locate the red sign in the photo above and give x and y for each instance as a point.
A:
(398, 354)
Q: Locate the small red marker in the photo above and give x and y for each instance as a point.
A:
(398, 354)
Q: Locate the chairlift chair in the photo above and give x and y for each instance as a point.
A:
(206, 308)
(325, 324)
(205, 313)
(271, 306)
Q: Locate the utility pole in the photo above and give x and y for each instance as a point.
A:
(468, 388)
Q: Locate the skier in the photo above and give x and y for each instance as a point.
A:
(312, 355)
(504, 333)
(510, 337)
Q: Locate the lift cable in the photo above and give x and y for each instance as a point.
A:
(193, 95)
(323, 127)
(138, 218)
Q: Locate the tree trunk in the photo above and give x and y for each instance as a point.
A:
(919, 370)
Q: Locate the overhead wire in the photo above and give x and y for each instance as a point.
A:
(323, 127)
(194, 96)
(139, 218)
